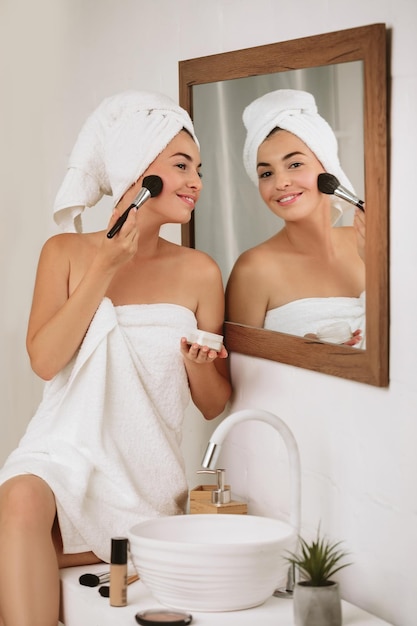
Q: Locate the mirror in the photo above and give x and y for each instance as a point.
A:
(229, 221)
(363, 51)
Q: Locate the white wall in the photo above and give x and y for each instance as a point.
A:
(58, 59)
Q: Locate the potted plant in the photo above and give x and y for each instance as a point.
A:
(316, 595)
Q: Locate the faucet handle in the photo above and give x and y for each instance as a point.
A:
(222, 494)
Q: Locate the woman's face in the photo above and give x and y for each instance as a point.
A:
(178, 165)
(287, 172)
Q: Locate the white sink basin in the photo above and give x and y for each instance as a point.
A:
(212, 562)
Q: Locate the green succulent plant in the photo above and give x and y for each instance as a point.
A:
(318, 560)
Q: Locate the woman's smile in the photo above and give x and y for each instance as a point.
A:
(288, 199)
(189, 200)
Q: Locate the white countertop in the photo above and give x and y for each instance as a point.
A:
(84, 606)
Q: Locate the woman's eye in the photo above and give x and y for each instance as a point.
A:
(295, 165)
(265, 174)
(182, 166)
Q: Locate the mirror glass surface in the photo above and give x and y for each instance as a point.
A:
(230, 216)
(346, 73)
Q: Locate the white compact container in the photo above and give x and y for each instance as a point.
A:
(337, 332)
(203, 338)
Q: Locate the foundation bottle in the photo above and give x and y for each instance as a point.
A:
(118, 571)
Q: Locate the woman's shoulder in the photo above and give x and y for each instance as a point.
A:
(256, 258)
(197, 258)
(64, 242)
(62, 249)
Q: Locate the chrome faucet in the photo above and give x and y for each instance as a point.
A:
(213, 450)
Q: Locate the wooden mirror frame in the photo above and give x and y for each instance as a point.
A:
(366, 44)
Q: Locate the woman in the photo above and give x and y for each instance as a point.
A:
(309, 274)
(108, 331)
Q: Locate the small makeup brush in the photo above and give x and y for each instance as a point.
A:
(104, 590)
(93, 580)
(329, 184)
(151, 187)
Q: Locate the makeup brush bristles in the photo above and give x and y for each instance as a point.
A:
(153, 184)
(327, 183)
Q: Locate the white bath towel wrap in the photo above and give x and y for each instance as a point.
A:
(117, 143)
(107, 434)
(309, 315)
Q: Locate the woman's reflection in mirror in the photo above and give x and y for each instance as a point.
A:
(309, 278)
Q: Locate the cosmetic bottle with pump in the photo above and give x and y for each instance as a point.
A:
(215, 498)
(118, 571)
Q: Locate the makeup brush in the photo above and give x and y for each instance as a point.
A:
(104, 590)
(93, 580)
(329, 184)
(151, 187)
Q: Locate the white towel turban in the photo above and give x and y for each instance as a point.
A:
(117, 143)
(296, 112)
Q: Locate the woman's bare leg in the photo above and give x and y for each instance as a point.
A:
(69, 560)
(29, 583)
(30, 555)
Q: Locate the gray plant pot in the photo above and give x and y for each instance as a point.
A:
(317, 606)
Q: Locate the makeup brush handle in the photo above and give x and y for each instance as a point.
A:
(117, 226)
(348, 196)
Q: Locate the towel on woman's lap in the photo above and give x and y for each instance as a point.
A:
(107, 434)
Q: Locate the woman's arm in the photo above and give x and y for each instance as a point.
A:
(207, 370)
(246, 299)
(61, 313)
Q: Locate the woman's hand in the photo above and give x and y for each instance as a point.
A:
(122, 247)
(355, 339)
(208, 377)
(201, 354)
(352, 341)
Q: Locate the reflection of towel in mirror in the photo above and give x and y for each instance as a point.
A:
(308, 315)
(107, 434)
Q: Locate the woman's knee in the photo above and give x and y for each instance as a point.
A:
(27, 500)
